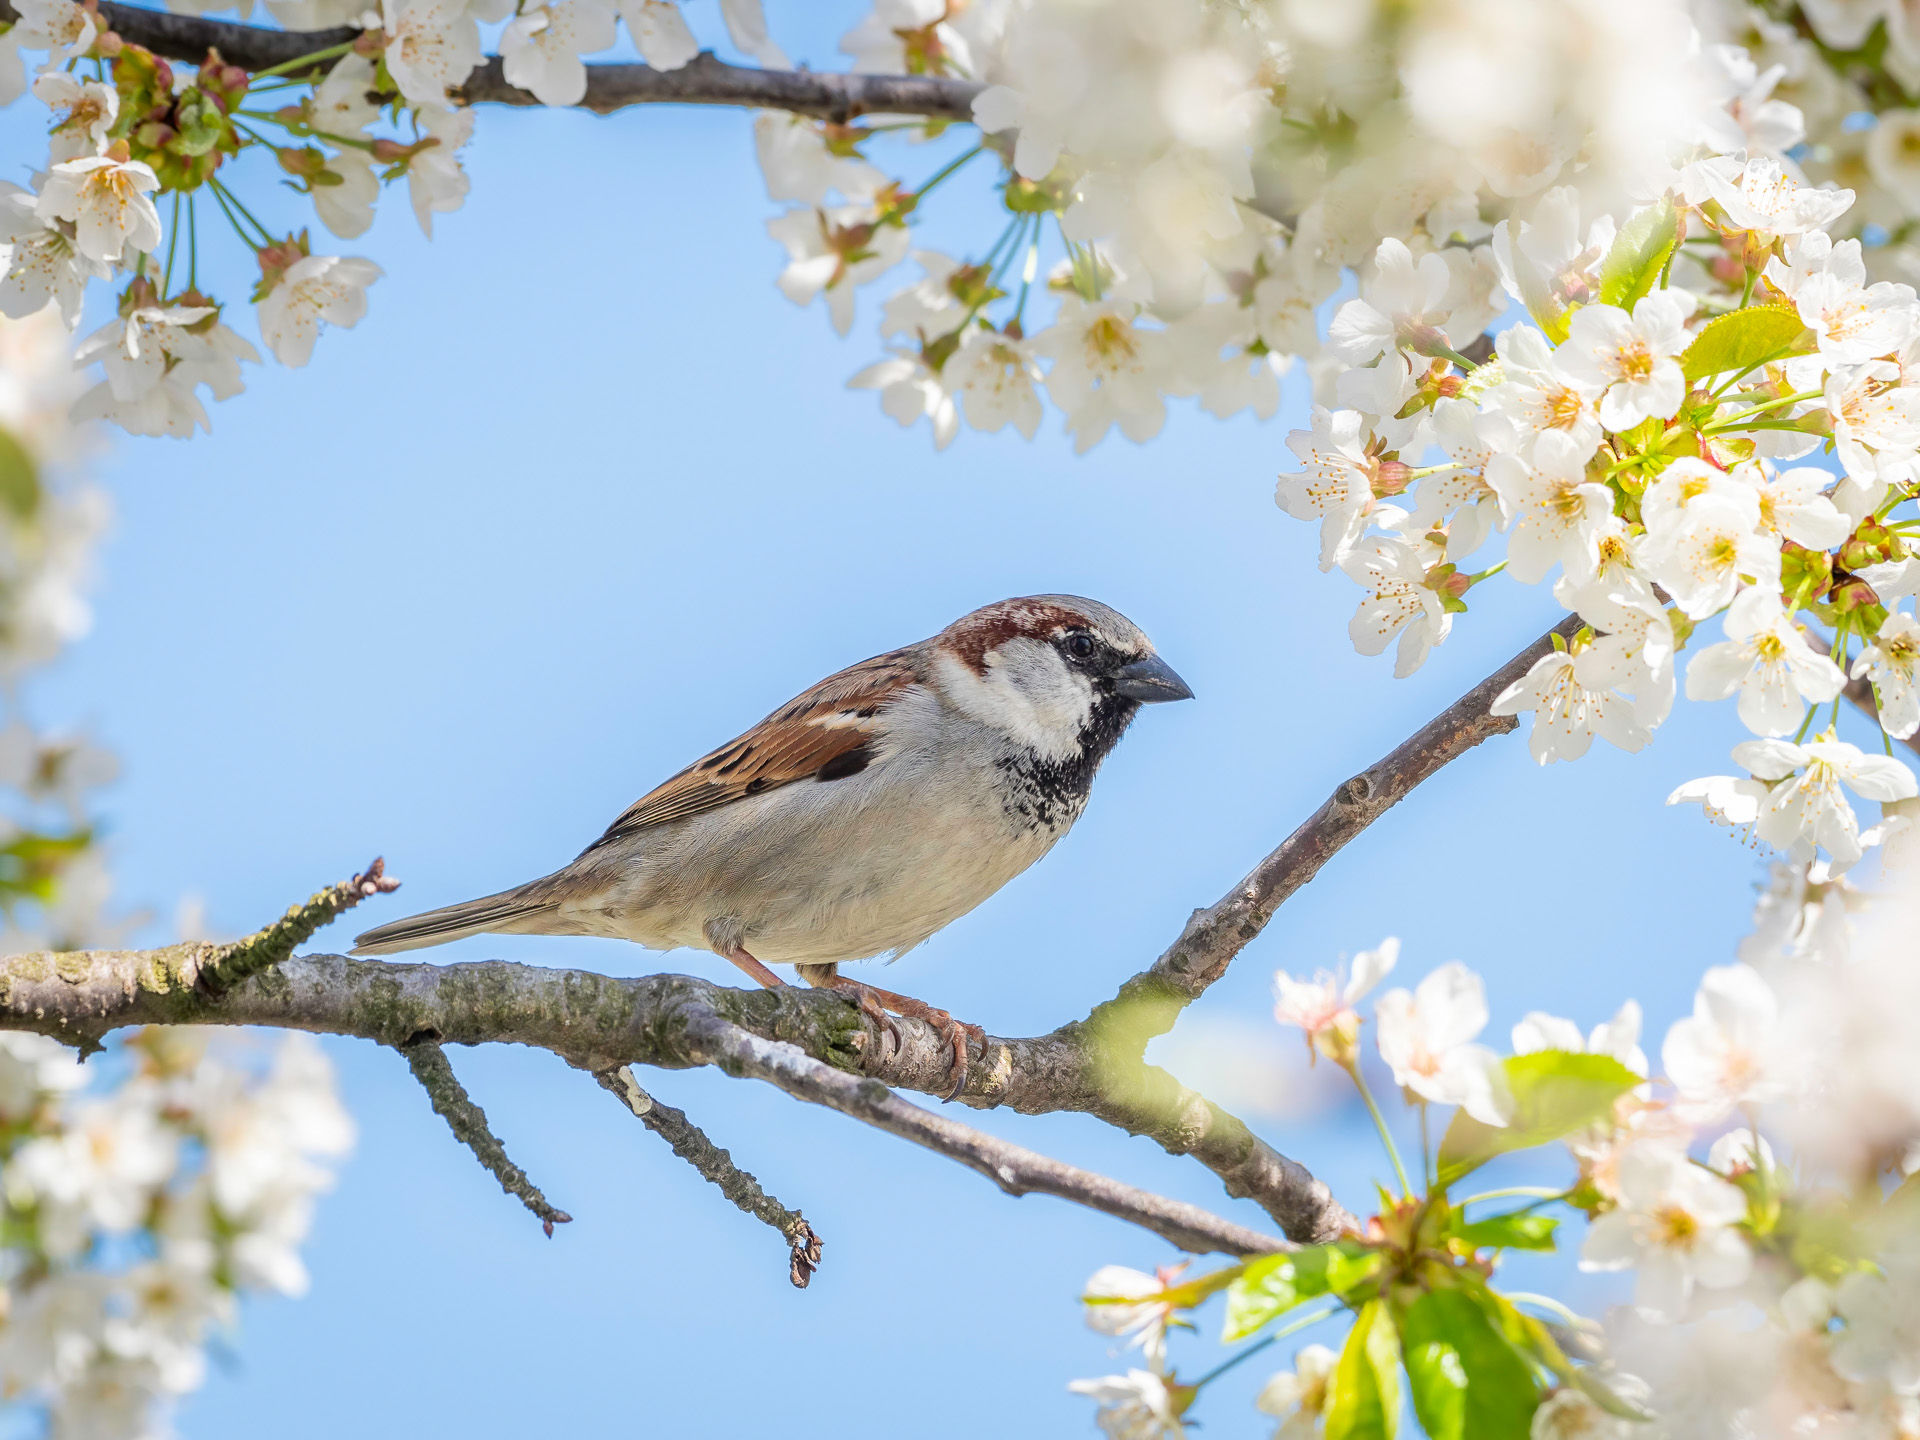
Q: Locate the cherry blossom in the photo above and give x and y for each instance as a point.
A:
(832, 251)
(1426, 1036)
(1125, 1302)
(541, 48)
(1399, 601)
(1618, 1038)
(995, 378)
(1299, 1396)
(1889, 664)
(91, 110)
(1323, 1006)
(909, 391)
(660, 33)
(1721, 1057)
(315, 289)
(1767, 660)
(436, 183)
(1138, 1405)
(1675, 1224)
(40, 264)
(1763, 196)
(1403, 300)
(1347, 471)
(1560, 512)
(1630, 360)
(1805, 806)
(1106, 371)
(1570, 706)
(432, 46)
(106, 201)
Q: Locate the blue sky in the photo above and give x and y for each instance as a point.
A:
(582, 497)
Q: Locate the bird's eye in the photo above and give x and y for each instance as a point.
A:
(1080, 647)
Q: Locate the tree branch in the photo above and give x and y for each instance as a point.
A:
(1095, 1065)
(1015, 1169)
(690, 1143)
(469, 1125)
(704, 81)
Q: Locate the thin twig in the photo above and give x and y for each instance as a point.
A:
(1014, 1168)
(691, 1144)
(468, 1121)
(703, 81)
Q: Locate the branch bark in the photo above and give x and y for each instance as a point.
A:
(704, 81)
(691, 1144)
(468, 1121)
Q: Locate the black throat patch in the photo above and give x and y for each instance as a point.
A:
(1050, 794)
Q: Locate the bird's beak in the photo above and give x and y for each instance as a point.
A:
(1150, 681)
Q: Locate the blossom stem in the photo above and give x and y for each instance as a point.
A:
(1427, 1176)
(1426, 470)
(1746, 295)
(1488, 573)
(173, 239)
(233, 219)
(226, 196)
(1532, 1192)
(1285, 1330)
(302, 61)
(193, 246)
(1352, 1068)
(1735, 422)
(945, 170)
(1840, 658)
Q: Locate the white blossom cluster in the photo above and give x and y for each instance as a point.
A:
(1757, 1189)
(137, 1215)
(1641, 455)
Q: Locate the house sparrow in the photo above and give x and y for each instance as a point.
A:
(880, 805)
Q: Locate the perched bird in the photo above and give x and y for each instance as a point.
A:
(872, 810)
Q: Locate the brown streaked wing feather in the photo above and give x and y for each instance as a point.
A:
(820, 725)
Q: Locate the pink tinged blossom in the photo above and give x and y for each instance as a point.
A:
(1631, 360)
(1323, 1006)
(1854, 322)
(1570, 706)
(1426, 1037)
(1805, 806)
(1675, 1224)
(1560, 513)
(1723, 1055)
(1876, 429)
(1545, 263)
(1889, 663)
(106, 202)
(1766, 660)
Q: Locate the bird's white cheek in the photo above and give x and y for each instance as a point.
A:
(1027, 694)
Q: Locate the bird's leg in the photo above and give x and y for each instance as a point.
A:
(872, 998)
(758, 972)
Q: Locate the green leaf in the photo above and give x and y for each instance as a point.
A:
(1639, 251)
(1746, 339)
(1555, 1092)
(1530, 1336)
(1364, 1402)
(1274, 1284)
(19, 484)
(1509, 1232)
(1468, 1381)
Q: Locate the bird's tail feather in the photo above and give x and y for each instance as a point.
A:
(519, 911)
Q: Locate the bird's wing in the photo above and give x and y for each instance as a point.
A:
(824, 733)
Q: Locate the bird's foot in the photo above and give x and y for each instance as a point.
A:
(955, 1032)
